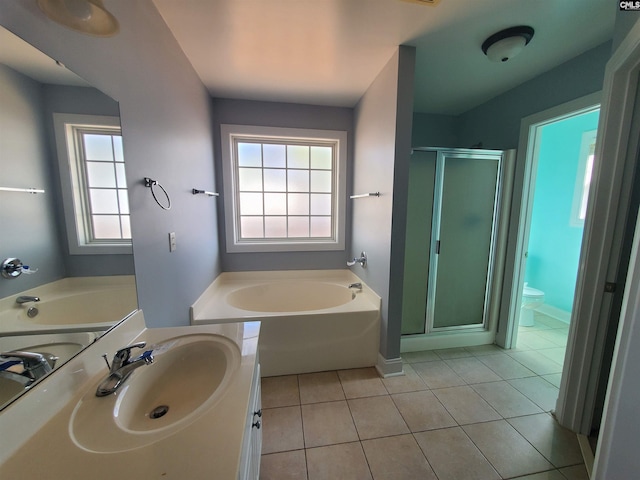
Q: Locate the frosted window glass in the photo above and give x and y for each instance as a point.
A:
(251, 227)
(123, 198)
(103, 201)
(298, 156)
(275, 227)
(98, 147)
(299, 227)
(117, 148)
(320, 181)
(321, 204)
(121, 177)
(126, 226)
(298, 204)
(101, 174)
(250, 204)
(298, 181)
(275, 180)
(275, 204)
(321, 227)
(274, 156)
(250, 179)
(249, 155)
(106, 226)
(321, 158)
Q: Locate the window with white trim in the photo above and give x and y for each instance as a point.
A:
(583, 179)
(94, 183)
(284, 188)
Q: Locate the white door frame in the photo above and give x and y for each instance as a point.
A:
(616, 149)
(528, 149)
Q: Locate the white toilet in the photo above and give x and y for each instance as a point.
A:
(531, 299)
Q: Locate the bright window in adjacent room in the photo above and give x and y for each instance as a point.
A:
(95, 196)
(287, 188)
(583, 178)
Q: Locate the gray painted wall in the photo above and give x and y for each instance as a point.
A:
(167, 123)
(625, 20)
(271, 114)
(434, 130)
(380, 120)
(29, 227)
(496, 123)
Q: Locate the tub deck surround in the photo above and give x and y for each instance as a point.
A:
(207, 447)
(311, 320)
(75, 304)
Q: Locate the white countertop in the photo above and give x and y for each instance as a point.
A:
(209, 447)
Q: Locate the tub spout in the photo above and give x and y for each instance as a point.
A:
(26, 299)
(357, 285)
(362, 260)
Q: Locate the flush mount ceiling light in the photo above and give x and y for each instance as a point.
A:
(84, 16)
(508, 43)
(423, 2)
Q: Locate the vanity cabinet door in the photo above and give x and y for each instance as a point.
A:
(252, 442)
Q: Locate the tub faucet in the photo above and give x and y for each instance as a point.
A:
(26, 299)
(362, 261)
(357, 285)
(121, 367)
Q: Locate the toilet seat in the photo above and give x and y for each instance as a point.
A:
(532, 292)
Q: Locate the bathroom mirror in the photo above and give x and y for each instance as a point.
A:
(81, 296)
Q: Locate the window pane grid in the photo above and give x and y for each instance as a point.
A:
(281, 185)
(106, 197)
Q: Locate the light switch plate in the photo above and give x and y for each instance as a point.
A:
(172, 241)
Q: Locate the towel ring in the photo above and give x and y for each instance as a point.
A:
(148, 182)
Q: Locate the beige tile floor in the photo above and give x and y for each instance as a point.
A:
(476, 413)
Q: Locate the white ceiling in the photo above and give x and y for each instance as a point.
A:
(327, 52)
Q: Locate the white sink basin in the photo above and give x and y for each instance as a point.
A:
(189, 374)
(62, 345)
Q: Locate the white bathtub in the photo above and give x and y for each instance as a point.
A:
(71, 305)
(311, 320)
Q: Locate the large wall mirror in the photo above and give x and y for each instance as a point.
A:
(61, 137)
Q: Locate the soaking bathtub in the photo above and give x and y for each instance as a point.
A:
(311, 320)
(77, 304)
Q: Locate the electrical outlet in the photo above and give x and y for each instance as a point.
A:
(172, 241)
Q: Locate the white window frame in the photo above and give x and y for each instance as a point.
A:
(579, 191)
(72, 197)
(229, 133)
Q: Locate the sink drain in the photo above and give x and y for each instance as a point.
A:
(159, 411)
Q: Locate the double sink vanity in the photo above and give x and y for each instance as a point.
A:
(179, 403)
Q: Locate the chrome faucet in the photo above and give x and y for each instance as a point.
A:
(121, 367)
(36, 365)
(362, 261)
(357, 285)
(26, 299)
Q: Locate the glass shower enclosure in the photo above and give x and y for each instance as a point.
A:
(457, 192)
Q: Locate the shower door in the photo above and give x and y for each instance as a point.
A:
(462, 239)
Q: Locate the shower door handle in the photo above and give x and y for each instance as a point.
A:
(437, 247)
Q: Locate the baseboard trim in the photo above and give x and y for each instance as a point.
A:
(389, 367)
(555, 312)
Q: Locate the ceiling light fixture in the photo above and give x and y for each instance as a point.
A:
(508, 43)
(431, 3)
(84, 16)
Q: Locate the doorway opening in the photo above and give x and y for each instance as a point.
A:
(559, 161)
